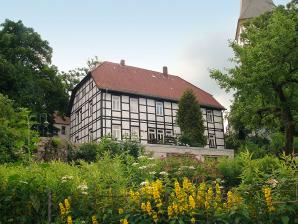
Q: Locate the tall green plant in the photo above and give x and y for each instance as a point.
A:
(190, 120)
(17, 140)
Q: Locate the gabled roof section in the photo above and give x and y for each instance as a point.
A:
(129, 79)
(254, 8)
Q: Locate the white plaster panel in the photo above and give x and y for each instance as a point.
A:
(150, 102)
(116, 114)
(134, 123)
(125, 106)
(177, 130)
(125, 114)
(219, 134)
(108, 112)
(167, 111)
(160, 126)
(134, 116)
(116, 122)
(160, 119)
(151, 109)
(151, 117)
(167, 105)
(151, 125)
(219, 141)
(142, 116)
(175, 106)
(142, 108)
(142, 101)
(219, 126)
(168, 119)
(217, 112)
(143, 126)
(125, 124)
(125, 99)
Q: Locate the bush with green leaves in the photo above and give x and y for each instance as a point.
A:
(93, 151)
(17, 139)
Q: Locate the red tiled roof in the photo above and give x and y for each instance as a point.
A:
(123, 78)
(60, 120)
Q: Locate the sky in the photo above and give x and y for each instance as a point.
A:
(190, 36)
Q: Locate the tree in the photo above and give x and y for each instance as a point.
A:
(265, 77)
(17, 140)
(27, 76)
(190, 121)
(73, 77)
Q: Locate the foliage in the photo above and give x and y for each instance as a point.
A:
(265, 77)
(113, 189)
(24, 190)
(72, 77)
(17, 140)
(91, 152)
(190, 120)
(27, 75)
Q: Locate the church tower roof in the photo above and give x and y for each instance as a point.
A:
(254, 8)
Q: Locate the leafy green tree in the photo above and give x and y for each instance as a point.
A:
(27, 76)
(190, 120)
(265, 77)
(72, 77)
(17, 139)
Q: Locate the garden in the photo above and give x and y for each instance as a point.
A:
(125, 185)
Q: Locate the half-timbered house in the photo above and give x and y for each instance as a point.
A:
(124, 101)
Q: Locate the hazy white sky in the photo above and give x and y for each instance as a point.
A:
(188, 36)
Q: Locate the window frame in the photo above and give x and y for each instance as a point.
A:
(117, 102)
(209, 116)
(159, 108)
(211, 141)
(117, 130)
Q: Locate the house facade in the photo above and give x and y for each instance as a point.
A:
(124, 101)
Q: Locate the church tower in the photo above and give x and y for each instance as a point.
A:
(250, 9)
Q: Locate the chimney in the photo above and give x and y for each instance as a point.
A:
(165, 70)
(122, 62)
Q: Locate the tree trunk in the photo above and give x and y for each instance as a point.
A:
(289, 132)
(288, 120)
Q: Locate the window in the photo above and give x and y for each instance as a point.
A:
(90, 85)
(159, 108)
(77, 139)
(79, 116)
(63, 130)
(169, 133)
(151, 134)
(90, 135)
(115, 102)
(90, 111)
(134, 105)
(209, 116)
(116, 132)
(160, 135)
(135, 132)
(212, 143)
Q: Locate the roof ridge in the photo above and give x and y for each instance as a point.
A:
(149, 70)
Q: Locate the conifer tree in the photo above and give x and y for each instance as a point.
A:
(190, 120)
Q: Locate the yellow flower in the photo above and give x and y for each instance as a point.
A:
(217, 203)
(62, 209)
(69, 220)
(155, 218)
(268, 199)
(208, 198)
(148, 207)
(123, 221)
(143, 207)
(192, 202)
(67, 204)
(170, 211)
(94, 221)
(201, 195)
(120, 211)
(193, 221)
